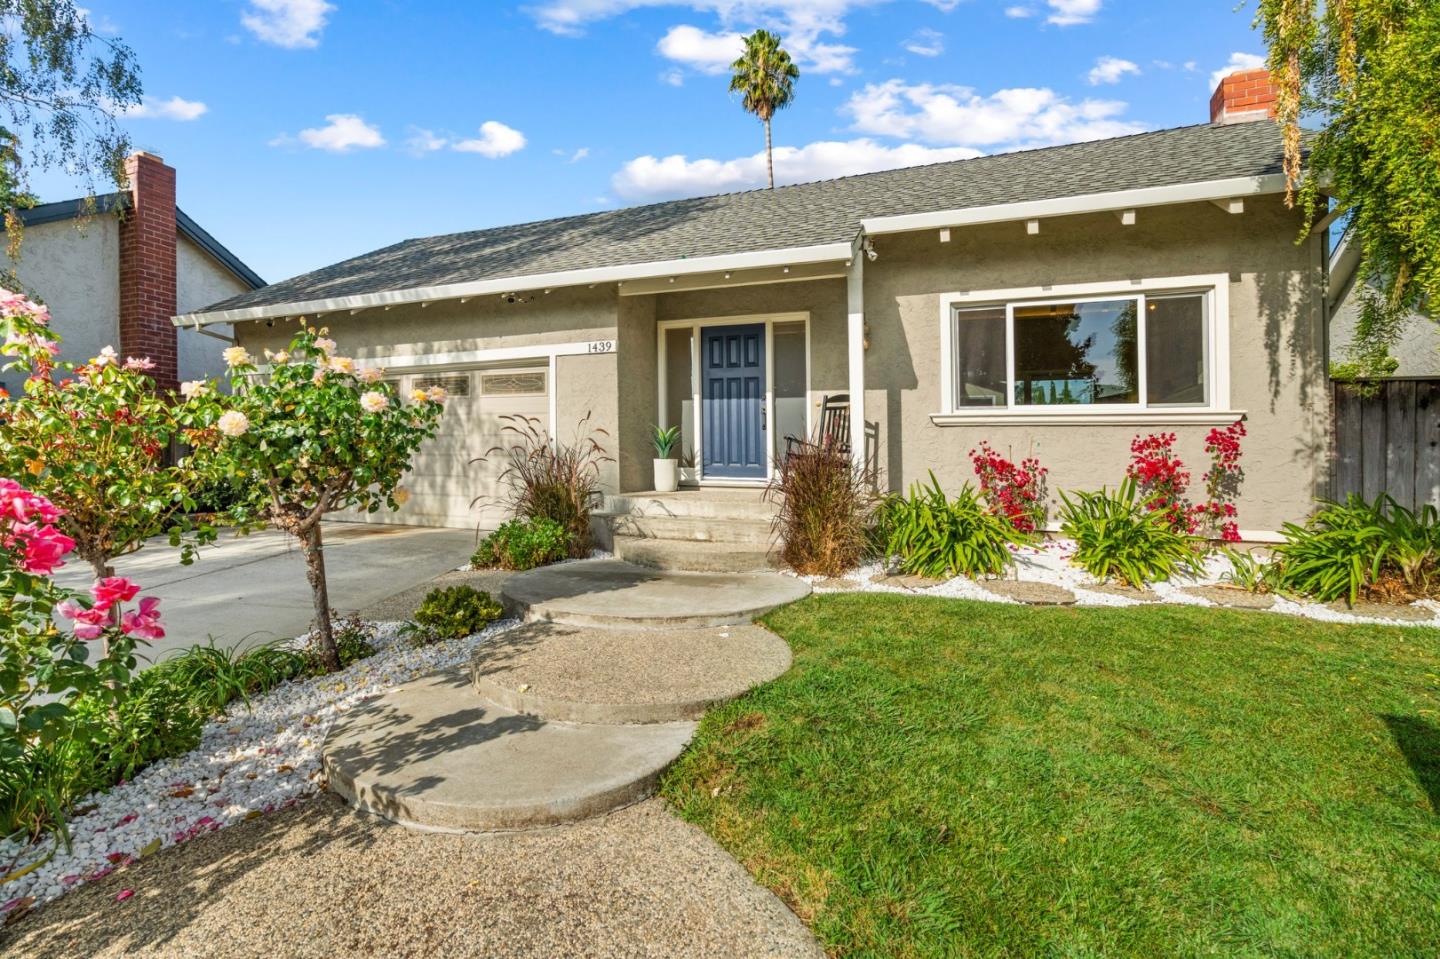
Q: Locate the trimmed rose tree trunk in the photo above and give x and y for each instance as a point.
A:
(312, 434)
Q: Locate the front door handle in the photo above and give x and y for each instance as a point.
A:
(764, 419)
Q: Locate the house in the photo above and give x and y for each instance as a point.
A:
(114, 271)
(1416, 350)
(1055, 301)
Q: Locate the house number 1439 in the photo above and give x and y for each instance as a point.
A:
(600, 346)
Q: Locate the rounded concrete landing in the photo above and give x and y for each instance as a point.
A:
(434, 755)
(588, 675)
(613, 593)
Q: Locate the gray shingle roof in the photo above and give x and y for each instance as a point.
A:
(807, 214)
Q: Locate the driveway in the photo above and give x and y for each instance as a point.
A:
(246, 590)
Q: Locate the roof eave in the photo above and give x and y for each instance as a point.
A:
(1086, 203)
(792, 256)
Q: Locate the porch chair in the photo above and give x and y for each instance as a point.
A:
(834, 431)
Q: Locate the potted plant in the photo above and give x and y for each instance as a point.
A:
(667, 469)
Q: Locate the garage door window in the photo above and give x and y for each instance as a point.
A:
(513, 384)
(452, 385)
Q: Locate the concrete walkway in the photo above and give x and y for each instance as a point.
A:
(578, 737)
(246, 590)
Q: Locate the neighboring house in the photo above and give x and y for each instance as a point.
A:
(1054, 301)
(1418, 349)
(114, 272)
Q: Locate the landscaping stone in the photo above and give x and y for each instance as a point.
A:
(1030, 593)
(837, 583)
(588, 675)
(1125, 592)
(1231, 596)
(1404, 612)
(906, 581)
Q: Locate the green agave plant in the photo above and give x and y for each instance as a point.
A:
(931, 535)
(1118, 537)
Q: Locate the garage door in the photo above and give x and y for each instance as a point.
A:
(443, 481)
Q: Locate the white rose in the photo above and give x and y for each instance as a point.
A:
(193, 388)
(237, 356)
(373, 402)
(233, 423)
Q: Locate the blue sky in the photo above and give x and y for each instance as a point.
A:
(307, 131)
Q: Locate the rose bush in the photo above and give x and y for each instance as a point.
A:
(47, 672)
(312, 434)
(99, 442)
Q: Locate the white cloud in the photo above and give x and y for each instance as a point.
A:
(1111, 70)
(342, 133)
(675, 77)
(1238, 61)
(1067, 13)
(653, 178)
(706, 52)
(579, 154)
(1019, 13)
(944, 6)
(807, 26)
(495, 140)
(293, 24)
(957, 115)
(926, 43)
(423, 141)
(175, 108)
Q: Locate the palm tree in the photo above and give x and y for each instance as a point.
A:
(765, 77)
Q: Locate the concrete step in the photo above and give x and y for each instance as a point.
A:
(715, 503)
(434, 755)
(698, 557)
(701, 529)
(614, 593)
(615, 675)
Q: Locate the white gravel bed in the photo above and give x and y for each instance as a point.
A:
(251, 761)
(1049, 562)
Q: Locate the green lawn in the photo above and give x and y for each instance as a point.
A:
(947, 778)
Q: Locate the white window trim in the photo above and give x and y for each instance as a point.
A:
(1217, 411)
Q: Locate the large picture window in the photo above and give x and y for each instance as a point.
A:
(1145, 351)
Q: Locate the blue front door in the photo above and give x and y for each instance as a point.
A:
(732, 398)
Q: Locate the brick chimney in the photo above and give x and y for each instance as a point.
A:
(1244, 95)
(147, 268)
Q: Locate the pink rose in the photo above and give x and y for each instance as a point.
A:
(114, 589)
(143, 623)
(89, 623)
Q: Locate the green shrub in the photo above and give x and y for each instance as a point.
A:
(354, 641)
(456, 611)
(548, 479)
(1378, 549)
(825, 510)
(523, 544)
(932, 535)
(213, 676)
(1117, 536)
(1248, 572)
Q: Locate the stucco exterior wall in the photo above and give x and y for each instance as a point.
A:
(1277, 362)
(636, 359)
(200, 281)
(823, 300)
(1417, 350)
(74, 268)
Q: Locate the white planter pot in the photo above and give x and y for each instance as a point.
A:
(667, 476)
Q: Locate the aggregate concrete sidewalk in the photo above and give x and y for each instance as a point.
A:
(247, 590)
(320, 880)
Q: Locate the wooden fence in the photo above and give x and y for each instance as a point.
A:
(1389, 442)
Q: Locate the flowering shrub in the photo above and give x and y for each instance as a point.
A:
(46, 673)
(1163, 481)
(96, 440)
(1015, 492)
(311, 436)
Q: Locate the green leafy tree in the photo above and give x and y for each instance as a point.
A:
(98, 441)
(61, 88)
(1368, 72)
(312, 435)
(764, 76)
